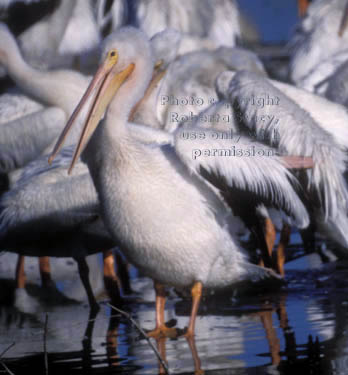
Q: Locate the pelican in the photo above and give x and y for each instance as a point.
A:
(189, 86)
(24, 139)
(319, 37)
(72, 230)
(306, 125)
(55, 41)
(202, 23)
(172, 222)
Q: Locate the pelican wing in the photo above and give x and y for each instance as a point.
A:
(25, 138)
(242, 164)
(276, 119)
(14, 104)
(45, 200)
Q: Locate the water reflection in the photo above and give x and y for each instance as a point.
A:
(300, 328)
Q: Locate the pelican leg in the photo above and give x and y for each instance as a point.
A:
(161, 347)
(302, 7)
(111, 281)
(281, 249)
(123, 274)
(271, 335)
(84, 276)
(45, 271)
(270, 235)
(161, 329)
(20, 274)
(195, 356)
(196, 293)
(264, 235)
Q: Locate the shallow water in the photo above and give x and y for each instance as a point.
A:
(301, 327)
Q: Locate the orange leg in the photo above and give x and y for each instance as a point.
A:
(283, 243)
(45, 271)
(302, 7)
(161, 347)
(161, 329)
(195, 356)
(196, 293)
(20, 274)
(269, 233)
(271, 334)
(111, 281)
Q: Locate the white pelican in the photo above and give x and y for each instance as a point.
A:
(25, 138)
(56, 40)
(189, 85)
(15, 110)
(174, 225)
(203, 24)
(305, 125)
(68, 226)
(318, 37)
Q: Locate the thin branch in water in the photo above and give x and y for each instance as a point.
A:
(7, 349)
(8, 371)
(128, 316)
(45, 346)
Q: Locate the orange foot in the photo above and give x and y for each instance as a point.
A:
(189, 334)
(164, 331)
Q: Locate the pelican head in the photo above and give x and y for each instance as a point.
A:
(165, 45)
(126, 56)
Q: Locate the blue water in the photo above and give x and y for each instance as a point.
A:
(274, 19)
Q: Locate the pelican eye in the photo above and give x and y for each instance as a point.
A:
(113, 55)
